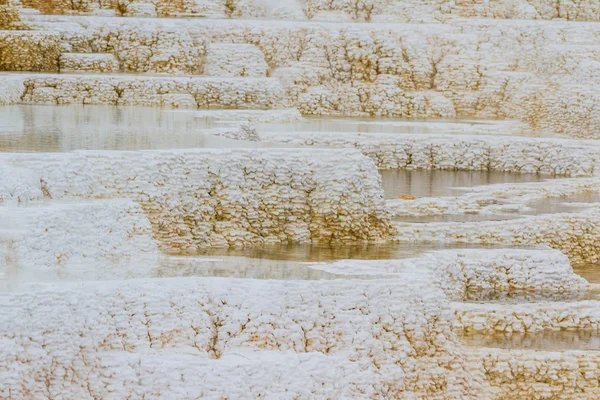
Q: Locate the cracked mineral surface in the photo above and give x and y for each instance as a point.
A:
(299, 199)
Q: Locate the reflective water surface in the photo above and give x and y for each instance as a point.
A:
(324, 252)
(436, 183)
(565, 203)
(39, 128)
(550, 205)
(28, 128)
(589, 271)
(239, 267)
(286, 262)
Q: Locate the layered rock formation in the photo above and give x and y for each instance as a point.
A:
(337, 329)
(198, 198)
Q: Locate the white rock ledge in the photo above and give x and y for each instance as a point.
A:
(258, 116)
(527, 374)
(464, 152)
(575, 234)
(92, 232)
(225, 197)
(531, 317)
(146, 90)
(539, 72)
(387, 338)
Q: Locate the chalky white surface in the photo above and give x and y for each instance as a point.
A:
(78, 232)
(194, 92)
(235, 60)
(471, 152)
(543, 73)
(283, 115)
(213, 197)
(11, 88)
(471, 67)
(364, 10)
(391, 337)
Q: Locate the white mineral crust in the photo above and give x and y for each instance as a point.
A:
(85, 340)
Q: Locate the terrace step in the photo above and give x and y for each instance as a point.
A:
(150, 90)
(88, 62)
(235, 60)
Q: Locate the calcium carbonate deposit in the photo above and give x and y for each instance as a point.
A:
(299, 199)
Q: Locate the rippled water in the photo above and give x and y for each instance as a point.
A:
(545, 340)
(437, 183)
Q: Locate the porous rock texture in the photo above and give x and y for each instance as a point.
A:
(29, 51)
(235, 60)
(359, 10)
(129, 90)
(283, 9)
(463, 67)
(385, 338)
(9, 17)
(389, 336)
(18, 185)
(462, 152)
(527, 374)
(534, 317)
(88, 62)
(148, 45)
(196, 198)
(440, 10)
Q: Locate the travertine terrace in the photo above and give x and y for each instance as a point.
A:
(299, 199)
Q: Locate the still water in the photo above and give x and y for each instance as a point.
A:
(35, 128)
(322, 253)
(285, 262)
(550, 205)
(589, 271)
(437, 183)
